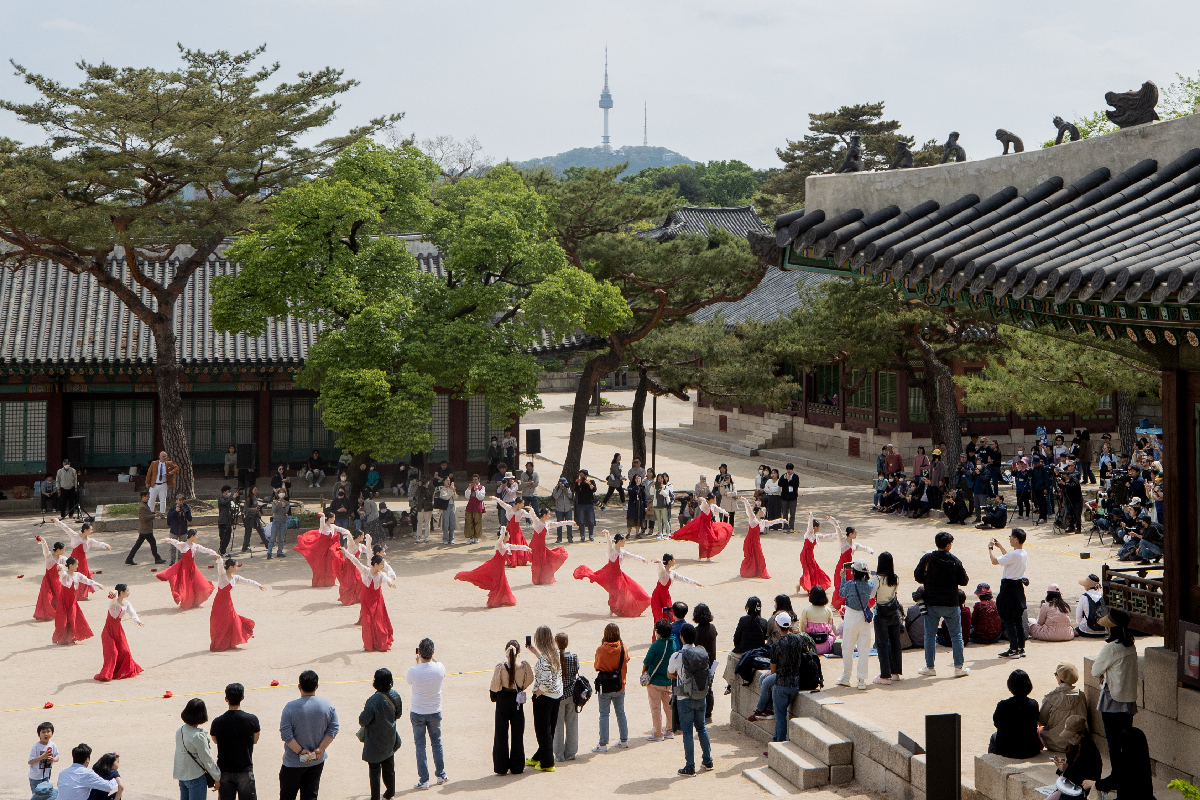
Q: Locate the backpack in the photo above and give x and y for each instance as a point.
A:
(699, 681)
(811, 676)
(581, 693)
(1096, 610)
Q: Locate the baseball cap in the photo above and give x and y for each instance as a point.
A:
(983, 588)
(858, 565)
(1053, 588)
(783, 619)
(1090, 582)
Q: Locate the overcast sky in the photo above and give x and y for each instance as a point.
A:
(722, 79)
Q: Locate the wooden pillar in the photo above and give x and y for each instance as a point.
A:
(1181, 597)
(456, 413)
(262, 429)
(56, 425)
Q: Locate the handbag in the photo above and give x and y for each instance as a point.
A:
(610, 681)
(441, 503)
(644, 679)
(868, 615)
(361, 733)
(209, 781)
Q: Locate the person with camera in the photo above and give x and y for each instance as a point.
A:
(564, 505)
(996, 515)
(689, 668)
(425, 713)
(584, 489)
(1040, 481)
(940, 574)
(1010, 603)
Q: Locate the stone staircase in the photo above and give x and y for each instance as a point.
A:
(813, 756)
(773, 431)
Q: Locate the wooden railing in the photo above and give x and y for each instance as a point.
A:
(824, 408)
(1136, 592)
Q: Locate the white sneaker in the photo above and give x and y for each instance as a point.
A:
(843, 682)
(600, 748)
(929, 672)
(669, 735)
(443, 780)
(654, 738)
(961, 672)
(624, 743)
(421, 785)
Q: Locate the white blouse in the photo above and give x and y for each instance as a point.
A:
(375, 581)
(620, 554)
(77, 539)
(184, 547)
(223, 580)
(71, 580)
(504, 548)
(539, 526)
(116, 610)
(51, 561)
(666, 576)
(524, 513)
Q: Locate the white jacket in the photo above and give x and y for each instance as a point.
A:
(1118, 666)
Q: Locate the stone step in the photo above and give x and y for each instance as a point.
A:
(801, 769)
(763, 730)
(770, 781)
(814, 737)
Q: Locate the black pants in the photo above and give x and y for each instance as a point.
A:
(1115, 725)
(148, 538)
(226, 533)
(1039, 502)
(887, 646)
(303, 780)
(257, 526)
(1073, 497)
(1010, 603)
(620, 490)
(508, 756)
(237, 786)
(385, 769)
(66, 501)
(1023, 496)
(545, 715)
(1088, 475)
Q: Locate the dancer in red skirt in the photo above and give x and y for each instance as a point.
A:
(516, 512)
(48, 592)
(118, 661)
(322, 550)
(660, 598)
(189, 587)
(490, 575)
(626, 598)
(711, 535)
(811, 573)
(70, 626)
(227, 630)
(754, 564)
(545, 562)
(846, 549)
(376, 624)
(349, 581)
(82, 543)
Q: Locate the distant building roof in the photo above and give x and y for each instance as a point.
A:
(740, 221)
(776, 296)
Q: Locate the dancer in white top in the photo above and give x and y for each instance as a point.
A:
(754, 563)
(811, 573)
(227, 630)
(377, 631)
(118, 661)
(189, 587)
(490, 576)
(626, 597)
(515, 513)
(82, 543)
(320, 549)
(660, 599)
(847, 547)
(70, 626)
(349, 585)
(544, 562)
(47, 598)
(706, 530)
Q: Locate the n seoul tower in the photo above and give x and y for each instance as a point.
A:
(606, 103)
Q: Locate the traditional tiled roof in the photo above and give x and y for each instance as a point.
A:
(740, 221)
(1135, 234)
(777, 295)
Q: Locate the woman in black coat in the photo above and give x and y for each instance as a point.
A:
(1081, 762)
(751, 630)
(1016, 720)
(380, 739)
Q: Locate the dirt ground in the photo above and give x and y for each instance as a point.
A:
(299, 627)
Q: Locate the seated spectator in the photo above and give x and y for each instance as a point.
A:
(751, 631)
(387, 520)
(957, 511)
(817, 620)
(1054, 618)
(374, 480)
(1061, 704)
(49, 494)
(1090, 608)
(892, 501)
(1016, 720)
(996, 516)
(881, 485)
(918, 500)
(943, 633)
(400, 480)
(914, 624)
(984, 617)
(1081, 759)
(107, 767)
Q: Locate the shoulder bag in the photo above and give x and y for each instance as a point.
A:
(866, 609)
(644, 679)
(610, 681)
(361, 733)
(208, 779)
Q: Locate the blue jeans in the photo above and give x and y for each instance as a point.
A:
(532, 502)
(691, 714)
(765, 687)
(1149, 551)
(195, 789)
(783, 696)
(585, 515)
(278, 531)
(617, 701)
(953, 618)
(561, 515)
(433, 724)
(33, 783)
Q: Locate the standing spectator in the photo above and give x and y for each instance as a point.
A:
(547, 691)
(789, 490)
(1059, 706)
(179, 519)
(340, 509)
(425, 713)
(728, 500)
(495, 454)
(510, 450)
(771, 491)
(507, 490)
(658, 682)
(1117, 667)
(160, 480)
(1020, 473)
(424, 495)
(1016, 720)
(42, 756)
(342, 483)
(314, 473)
(380, 739)
(702, 489)
(529, 487)
(689, 669)
(635, 510)
(856, 590)
(145, 531)
(615, 480)
(77, 781)
(650, 495)
(446, 493)
(67, 480)
(612, 665)
(1090, 608)
(1011, 601)
(443, 471)
(937, 479)
(279, 515)
(1040, 481)
(225, 518)
(636, 470)
(49, 494)
(706, 637)
(509, 682)
(888, 621)
(1131, 774)
(566, 729)
(473, 524)
(564, 505)
(940, 573)
(585, 505)
(664, 498)
(252, 519)
(307, 726)
(921, 462)
(894, 463)
(193, 754)
(236, 732)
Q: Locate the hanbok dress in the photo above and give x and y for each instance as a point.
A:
(226, 629)
(70, 625)
(322, 550)
(118, 661)
(189, 587)
(47, 598)
(490, 576)
(626, 597)
(710, 534)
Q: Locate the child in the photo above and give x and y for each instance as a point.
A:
(943, 634)
(42, 756)
(985, 617)
(817, 620)
(1016, 720)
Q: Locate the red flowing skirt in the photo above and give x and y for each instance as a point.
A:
(47, 595)
(544, 560)
(660, 598)
(69, 622)
(376, 624)
(754, 564)
(516, 558)
(189, 587)
(226, 630)
(118, 661)
(490, 577)
(321, 552)
(711, 536)
(350, 583)
(836, 599)
(813, 574)
(82, 590)
(626, 598)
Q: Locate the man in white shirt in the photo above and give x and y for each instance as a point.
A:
(77, 781)
(1092, 597)
(425, 711)
(1010, 603)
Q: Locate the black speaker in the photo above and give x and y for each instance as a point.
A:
(247, 456)
(533, 440)
(76, 448)
(943, 757)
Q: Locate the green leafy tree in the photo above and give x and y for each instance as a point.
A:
(104, 194)
(717, 183)
(1050, 373)
(390, 333)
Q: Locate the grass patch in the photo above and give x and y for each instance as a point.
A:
(119, 510)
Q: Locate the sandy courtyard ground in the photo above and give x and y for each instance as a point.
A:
(299, 627)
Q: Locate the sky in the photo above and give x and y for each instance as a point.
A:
(722, 80)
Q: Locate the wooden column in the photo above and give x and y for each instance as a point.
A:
(1181, 596)
(262, 429)
(56, 425)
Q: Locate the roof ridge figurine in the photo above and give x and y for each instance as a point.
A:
(854, 156)
(1008, 137)
(1065, 128)
(904, 156)
(953, 148)
(1133, 108)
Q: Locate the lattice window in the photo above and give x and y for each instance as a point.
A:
(440, 428)
(887, 392)
(22, 437)
(917, 412)
(296, 430)
(214, 424)
(827, 383)
(117, 433)
(861, 398)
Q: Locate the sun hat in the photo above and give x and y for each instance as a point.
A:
(1090, 582)
(858, 565)
(1115, 618)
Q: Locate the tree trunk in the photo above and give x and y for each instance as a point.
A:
(596, 366)
(940, 401)
(170, 404)
(1126, 424)
(638, 421)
